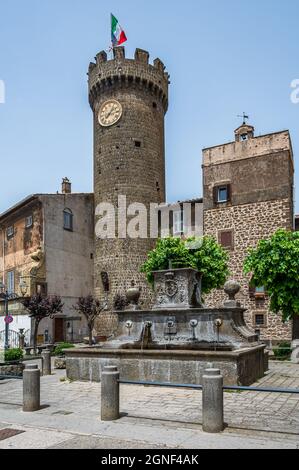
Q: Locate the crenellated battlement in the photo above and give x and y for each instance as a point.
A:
(120, 72)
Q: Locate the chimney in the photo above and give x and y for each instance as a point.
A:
(66, 186)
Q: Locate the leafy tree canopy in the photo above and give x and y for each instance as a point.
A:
(40, 307)
(91, 308)
(203, 254)
(274, 264)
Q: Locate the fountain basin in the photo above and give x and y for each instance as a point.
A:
(179, 329)
(175, 345)
(239, 367)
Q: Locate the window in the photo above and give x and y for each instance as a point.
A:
(260, 290)
(137, 143)
(243, 137)
(28, 221)
(226, 239)
(41, 288)
(10, 232)
(257, 293)
(260, 319)
(178, 222)
(68, 220)
(10, 282)
(222, 193)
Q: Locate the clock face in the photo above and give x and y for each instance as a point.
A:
(110, 113)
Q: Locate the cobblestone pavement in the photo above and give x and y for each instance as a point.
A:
(152, 417)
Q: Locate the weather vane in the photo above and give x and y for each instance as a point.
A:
(244, 117)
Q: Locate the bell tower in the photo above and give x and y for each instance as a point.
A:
(129, 99)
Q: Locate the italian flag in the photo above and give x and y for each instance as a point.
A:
(118, 35)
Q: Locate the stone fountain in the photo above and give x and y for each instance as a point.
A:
(178, 339)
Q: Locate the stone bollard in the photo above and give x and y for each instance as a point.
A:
(31, 388)
(295, 352)
(110, 394)
(212, 401)
(46, 355)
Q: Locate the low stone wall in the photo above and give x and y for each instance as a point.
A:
(12, 369)
(242, 367)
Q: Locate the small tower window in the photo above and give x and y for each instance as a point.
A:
(243, 137)
(68, 220)
(222, 194)
(137, 143)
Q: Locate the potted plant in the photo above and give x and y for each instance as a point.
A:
(12, 365)
(59, 362)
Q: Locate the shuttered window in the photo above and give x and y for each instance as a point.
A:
(226, 239)
(68, 220)
(10, 282)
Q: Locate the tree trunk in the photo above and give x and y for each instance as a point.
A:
(295, 332)
(90, 336)
(36, 324)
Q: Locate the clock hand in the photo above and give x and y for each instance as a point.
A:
(107, 115)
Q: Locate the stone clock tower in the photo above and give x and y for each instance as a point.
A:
(129, 99)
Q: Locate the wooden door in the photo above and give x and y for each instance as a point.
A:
(59, 330)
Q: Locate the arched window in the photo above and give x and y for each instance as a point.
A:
(68, 220)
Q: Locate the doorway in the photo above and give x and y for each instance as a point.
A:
(59, 330)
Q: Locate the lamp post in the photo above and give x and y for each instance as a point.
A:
(7, 296)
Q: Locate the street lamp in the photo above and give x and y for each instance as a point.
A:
(6, 296)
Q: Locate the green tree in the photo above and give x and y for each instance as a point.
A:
(274, 264)
(203, 254)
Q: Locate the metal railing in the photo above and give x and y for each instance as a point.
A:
(199, 387)
(212, 395)
(14, 338)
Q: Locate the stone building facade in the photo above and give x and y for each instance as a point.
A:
(248, 195)
(129, 99)
(46, 240)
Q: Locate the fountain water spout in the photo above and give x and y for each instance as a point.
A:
(218, 323)
(146, 335)
(193, 324)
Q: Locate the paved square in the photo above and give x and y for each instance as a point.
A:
(152, 417)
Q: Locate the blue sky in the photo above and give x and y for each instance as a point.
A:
(224, 57)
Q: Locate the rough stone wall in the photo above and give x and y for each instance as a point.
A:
(123, 169)
(250, 223)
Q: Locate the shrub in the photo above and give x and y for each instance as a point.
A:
(13, 355)
(120, 302)
(58, 351)
(282, 351)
